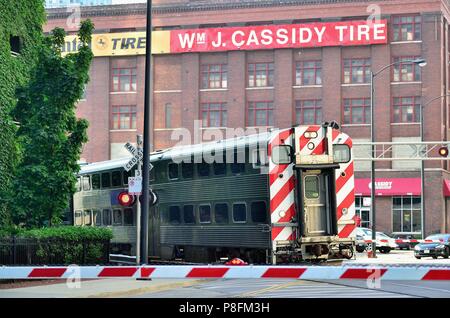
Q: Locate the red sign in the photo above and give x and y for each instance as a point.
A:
(388, 186)
(344, 33)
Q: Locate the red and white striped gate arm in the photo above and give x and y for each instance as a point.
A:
(229, 272)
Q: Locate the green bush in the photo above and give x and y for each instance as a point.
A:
(69, 233)
(62, 245)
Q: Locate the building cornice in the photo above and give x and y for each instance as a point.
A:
(201, 5)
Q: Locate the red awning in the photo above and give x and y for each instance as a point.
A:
(389, 186)
(446, 188)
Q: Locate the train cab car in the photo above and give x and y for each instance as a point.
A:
(281, 196)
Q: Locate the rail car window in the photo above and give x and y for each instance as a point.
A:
(187, 170)
(174, 215)
(221, 213)
(78, 185)
(203, 169)
(204, 213)
(106, 180)
(311, 187)
(188, 214)
(116, 179)
(128, 217)
(87, 217)
(117, 217)
(220, 168)
(78, 218)
(238, 164)
(95, 182)
(259, 212)
(259, 158)
(97, 217)
(86, 183)
(126, 174)
(239, 213)
(173, 171)
(107, 217)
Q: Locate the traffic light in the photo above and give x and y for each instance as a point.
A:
(126, 199)
(443, 151)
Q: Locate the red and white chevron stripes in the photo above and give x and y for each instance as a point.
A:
(228, 272)
(345, 191)
(282, 190)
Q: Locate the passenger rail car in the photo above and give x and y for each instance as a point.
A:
(281, 196)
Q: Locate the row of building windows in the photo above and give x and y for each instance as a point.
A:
(406, 214)
(218, 213)
(355, 111)
(215, 76)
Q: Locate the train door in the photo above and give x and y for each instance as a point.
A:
(316, 203)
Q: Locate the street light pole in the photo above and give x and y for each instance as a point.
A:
(147, 131)
(422, 165)
(421, 62)
(372, 165)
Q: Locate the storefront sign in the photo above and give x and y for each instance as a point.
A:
(346, 33)
(279, 36)
(389, 186)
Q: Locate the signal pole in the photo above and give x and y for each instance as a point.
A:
(138, 204)
(147, 132)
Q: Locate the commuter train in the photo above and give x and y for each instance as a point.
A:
(277, 197)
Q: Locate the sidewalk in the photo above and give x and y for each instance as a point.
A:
(107, 288)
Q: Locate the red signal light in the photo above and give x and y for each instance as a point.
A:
(126, 199)
(443, 151)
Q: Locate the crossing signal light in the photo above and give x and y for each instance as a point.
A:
(443, 151)
(126, 199)
(152, 198)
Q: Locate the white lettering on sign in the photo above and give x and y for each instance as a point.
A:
(382, 185)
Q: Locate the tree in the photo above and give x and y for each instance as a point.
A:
(50, 136)
(20, 32)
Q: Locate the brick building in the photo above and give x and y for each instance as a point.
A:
(281, 87)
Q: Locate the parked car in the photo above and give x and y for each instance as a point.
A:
(360, 244)
(406, 246)
(384, 243)
(434, 249)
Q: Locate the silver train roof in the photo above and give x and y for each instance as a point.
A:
(183, 151)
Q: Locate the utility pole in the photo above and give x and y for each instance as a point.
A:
(138, 204)
(147, 133)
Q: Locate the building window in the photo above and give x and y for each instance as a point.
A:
(260, 74)
(405, 70)
(356, 71)
(260, 114)
(407, 109)
(214, 114)
(124, 117)
(308, 112)
(308, 73)
(407, 28)
(168, 115)
(357, 111)
(406, 214)
(362, 209)
(124, 79)
(214, 76)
